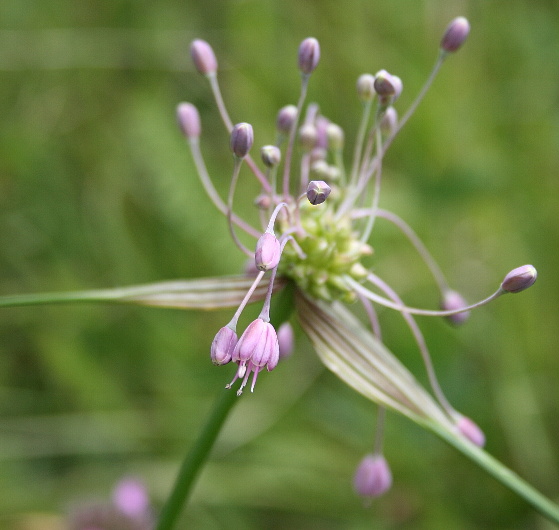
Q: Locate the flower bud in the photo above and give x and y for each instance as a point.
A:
(286, 340)
(318, 191)
(451, 301)
(188, 120)
(469, 429)
(258, 344)
(366, 87)
(309, 55)
(263, 201)
(320, 170)
(286, 117)
(455, 35)
(398, 87)
(203, 57)
(223, 345)
(389, 120)
(373, 476)
(519, 279)
(242, 139)
(307, 136)
(131, 498)
(335, 135)
(271, 155)
(385, 85)
(268, 252)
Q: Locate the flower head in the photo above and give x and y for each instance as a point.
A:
(321, 247)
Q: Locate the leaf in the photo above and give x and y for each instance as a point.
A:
(359, 359)
(203, 293)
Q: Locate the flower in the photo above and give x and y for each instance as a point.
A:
(317, 217)
(315, 235)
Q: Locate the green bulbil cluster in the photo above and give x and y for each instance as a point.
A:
(332, 252)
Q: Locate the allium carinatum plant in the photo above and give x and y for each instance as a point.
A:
(318, 205)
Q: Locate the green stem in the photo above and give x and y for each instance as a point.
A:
(503, 474)
(192, 465)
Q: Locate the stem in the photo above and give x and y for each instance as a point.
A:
(499, 471)
(291, 140)
(234, 178)
(214, 85)
(193, 462)
(415, 310)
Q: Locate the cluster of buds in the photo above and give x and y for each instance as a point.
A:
(317, 219)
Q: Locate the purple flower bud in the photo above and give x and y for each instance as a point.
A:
(451, 301)
(385, 85)
(373, 476)
(263, 201)
(223, 345)
(258, 344)
(519, 279)
(188, 120)
(398, 87)
(131, 498)
(271, 155)
(366, 87)
(467, 428)
(203, 57)
(268, 252)
(242, 139)
(286, 117)
(455, 35)
(389, 120)
(286, 340)
(318, 191)
(309, 55)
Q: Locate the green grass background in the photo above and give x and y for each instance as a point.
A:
(97, 189)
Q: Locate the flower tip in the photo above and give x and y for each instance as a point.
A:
(131, 498)
(271, 155)
(285, 119)
(188, 120)
(223, 345)
(366, 87)
(385, 84)
(242, 138)
(318, 191)
(470, 430)
(286, 340)
(452, 301)
(309, 55)
(268, 252)
(203, 57)
(455, 35)
(519, 279)
(373, 477)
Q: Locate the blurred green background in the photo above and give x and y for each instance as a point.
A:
(97, 189)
